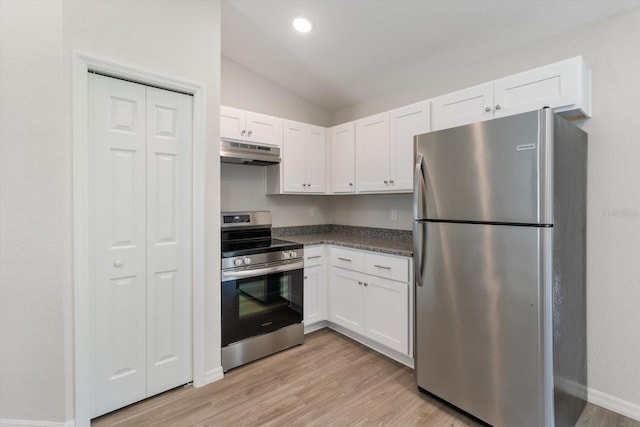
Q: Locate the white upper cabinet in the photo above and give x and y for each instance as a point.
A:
(405, 123)
(304, 160)
(241, 125)
(342, 162)
(384, 148)
(471, 105)
(564, 86)
(372, 153)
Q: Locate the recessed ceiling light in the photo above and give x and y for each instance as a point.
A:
(302, 25)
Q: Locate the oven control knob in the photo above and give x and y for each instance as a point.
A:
(247, 261)
(294, 254)
(237, 261)
(286, 254)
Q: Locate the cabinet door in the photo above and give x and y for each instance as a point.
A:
(316, 159)
(554, 86)
(405, 123)
(264, 129)
(346, 296)
(294, 157)
(387, 313)
(343, 158)
(372, 153)
(233, 123)
(470, 105)
(314, 310)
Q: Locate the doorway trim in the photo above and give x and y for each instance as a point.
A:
(82, 64)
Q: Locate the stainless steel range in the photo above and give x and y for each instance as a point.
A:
(262, 289)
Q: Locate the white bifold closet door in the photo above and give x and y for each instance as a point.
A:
(140, 216)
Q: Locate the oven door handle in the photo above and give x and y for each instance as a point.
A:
(241, 274)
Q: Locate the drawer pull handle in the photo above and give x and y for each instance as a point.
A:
(382, 266)
(314, 257)
(344, 259)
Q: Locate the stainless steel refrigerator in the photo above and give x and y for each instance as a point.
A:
(500, 265)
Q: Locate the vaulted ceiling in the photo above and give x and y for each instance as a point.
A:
(360, 49)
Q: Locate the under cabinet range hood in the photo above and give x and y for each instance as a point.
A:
(245, 153)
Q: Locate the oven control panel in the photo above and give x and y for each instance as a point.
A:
(289, 254)
(261, 258)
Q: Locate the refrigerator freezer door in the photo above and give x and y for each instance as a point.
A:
(479, 321)
(493, 171)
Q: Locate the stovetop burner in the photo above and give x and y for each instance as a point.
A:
(232, 249)
(249, 233)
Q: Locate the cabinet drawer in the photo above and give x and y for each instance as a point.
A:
(345, 258)
(313, 256)
(388, 267)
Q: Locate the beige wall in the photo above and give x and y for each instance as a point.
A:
(176, 39)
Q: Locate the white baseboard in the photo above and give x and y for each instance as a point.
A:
(211, 375)
(28, 423)
(615, 404)
(392, 354)
(315, 327)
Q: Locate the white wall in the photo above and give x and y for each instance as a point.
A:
(35, 214)
(242, 88)
(175, 39)
(243, 188)
(610, 47)
(372, 210)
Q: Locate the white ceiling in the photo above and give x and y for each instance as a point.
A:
(360, 49)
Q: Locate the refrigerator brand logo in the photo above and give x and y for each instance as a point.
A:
(525, 147)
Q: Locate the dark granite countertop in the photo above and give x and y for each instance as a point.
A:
(384, 240)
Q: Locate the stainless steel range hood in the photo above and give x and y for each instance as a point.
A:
(249, 153)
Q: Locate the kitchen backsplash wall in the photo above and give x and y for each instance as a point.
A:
(242, 187)
(372, 210)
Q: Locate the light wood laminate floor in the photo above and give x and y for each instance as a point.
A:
(329, 381)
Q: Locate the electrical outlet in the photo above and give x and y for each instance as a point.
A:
(312, 211)
(394, 214)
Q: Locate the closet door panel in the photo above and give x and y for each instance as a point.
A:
(169, 159)
(118, 221)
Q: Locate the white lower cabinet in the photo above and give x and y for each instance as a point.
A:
(386, 311)
(346, 304)
(314, 286)
(367, 304)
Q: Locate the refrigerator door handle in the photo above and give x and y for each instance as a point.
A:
(418, 186)
(419, 236)
(419, 241)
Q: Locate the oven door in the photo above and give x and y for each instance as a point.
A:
(259, 300)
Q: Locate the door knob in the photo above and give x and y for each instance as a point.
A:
(487, 109)
(498, 107)
(117, 263)
(250, 132)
